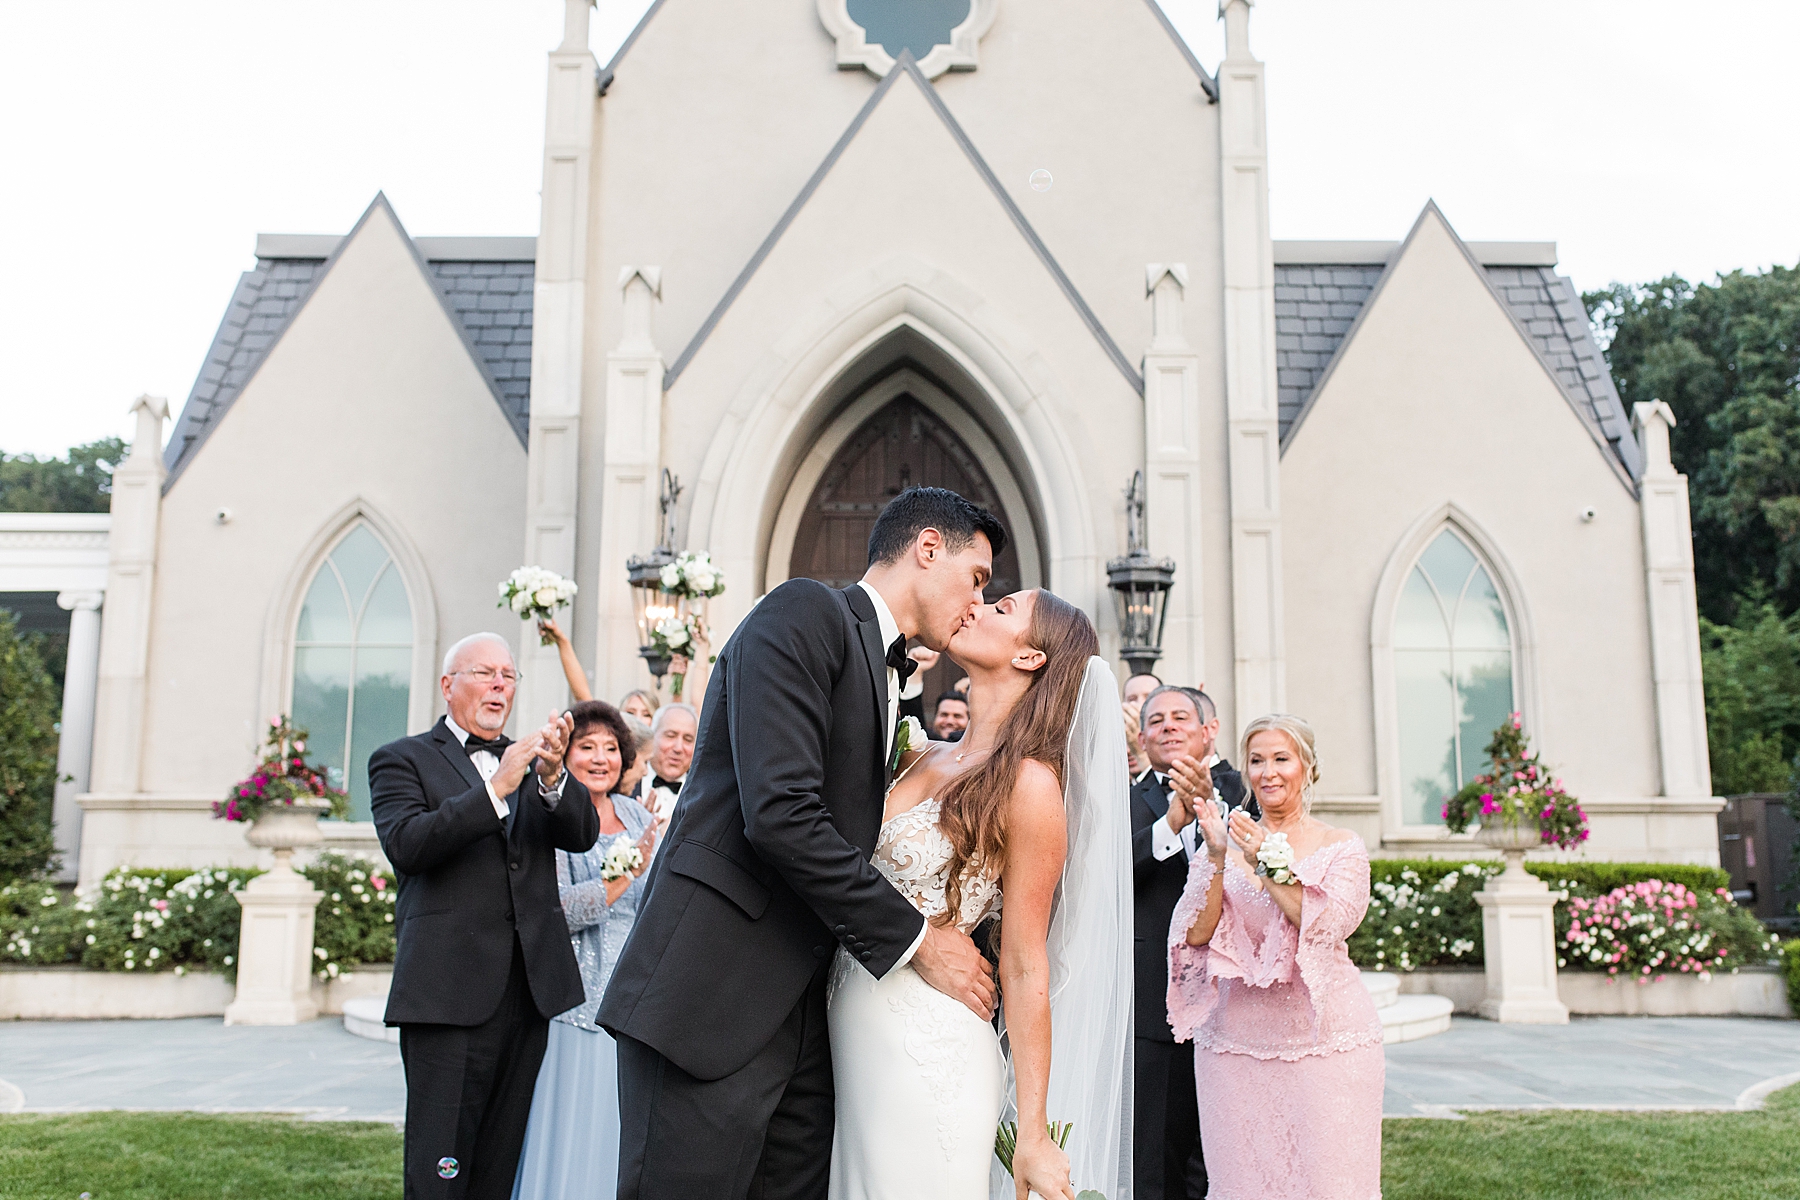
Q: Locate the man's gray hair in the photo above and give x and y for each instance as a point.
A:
(662, 715)
(451, 655)
(1204, 707)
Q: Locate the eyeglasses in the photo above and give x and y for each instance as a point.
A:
(486, 675)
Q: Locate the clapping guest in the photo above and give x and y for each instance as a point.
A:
(671, 751)
(1287, 1042)
(1137, 688)
(471, 822)
(572, 1142)
(1180, 730)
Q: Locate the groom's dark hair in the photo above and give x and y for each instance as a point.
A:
(921, 508)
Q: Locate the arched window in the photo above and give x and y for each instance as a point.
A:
(353, 648)
(1453, 674)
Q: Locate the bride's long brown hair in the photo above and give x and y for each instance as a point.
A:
(972, 809)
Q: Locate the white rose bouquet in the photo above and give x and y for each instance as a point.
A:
(622, 860)
(693, 575)
(534, 594)
(1275, 860)
(674, 636)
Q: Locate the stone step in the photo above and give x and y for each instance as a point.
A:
(362, 1017)
(1408, 1018)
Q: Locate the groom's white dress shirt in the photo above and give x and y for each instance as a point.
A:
(890, 629)
(1164, 841)
(486, 762)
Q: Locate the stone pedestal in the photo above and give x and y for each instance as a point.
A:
(1518, 927)
(275, 942)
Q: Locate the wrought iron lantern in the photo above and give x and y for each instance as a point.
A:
(1140, 585)
(650, 603)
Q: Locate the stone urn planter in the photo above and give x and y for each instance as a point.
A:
(275, 941)
(1518, 927)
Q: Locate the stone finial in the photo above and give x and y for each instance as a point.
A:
(1236, 15)
(151, 412)
(641, 285)
(1652, 421)
(1165, 283)
(575, 26)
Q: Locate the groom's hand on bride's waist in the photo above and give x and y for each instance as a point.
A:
(948, 960)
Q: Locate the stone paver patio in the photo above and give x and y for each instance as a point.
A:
(319, 1071)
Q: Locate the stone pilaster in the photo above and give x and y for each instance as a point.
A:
(1674, 611)
(1173, 431)
(1253, 432)
(559, 320)
(130, 587)
(631, 479)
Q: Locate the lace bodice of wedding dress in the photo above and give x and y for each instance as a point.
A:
(914, 854)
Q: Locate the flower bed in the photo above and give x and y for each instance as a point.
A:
(141, 919)
(1423, 915)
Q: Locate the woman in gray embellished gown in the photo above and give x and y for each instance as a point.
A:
(572, 1141)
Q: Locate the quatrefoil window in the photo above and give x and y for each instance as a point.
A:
(943, 35)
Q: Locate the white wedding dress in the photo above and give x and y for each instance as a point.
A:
(921, 1081)
(919, 1078)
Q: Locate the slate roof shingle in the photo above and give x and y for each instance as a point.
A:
(1314, 308)
(493, 300)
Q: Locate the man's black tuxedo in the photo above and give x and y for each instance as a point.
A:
(718, 999)
(482, 957)
(1166, 1126)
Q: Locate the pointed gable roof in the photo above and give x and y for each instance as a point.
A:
(1320, 305)
(488, 301)
(908, 68)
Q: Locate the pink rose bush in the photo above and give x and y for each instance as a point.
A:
(1651, 929)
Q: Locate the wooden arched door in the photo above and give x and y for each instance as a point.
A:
(903, 445)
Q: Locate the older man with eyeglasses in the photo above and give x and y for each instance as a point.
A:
(470, 821)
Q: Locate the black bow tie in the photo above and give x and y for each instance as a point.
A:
(657, 781)
(495, 747)
(896, 659)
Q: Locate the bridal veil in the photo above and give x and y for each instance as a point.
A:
(1091, 953)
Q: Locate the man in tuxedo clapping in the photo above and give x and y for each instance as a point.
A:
(1178, 728)
(470, 821)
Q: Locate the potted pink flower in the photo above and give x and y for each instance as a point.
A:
(284, 797)
(1518, 804)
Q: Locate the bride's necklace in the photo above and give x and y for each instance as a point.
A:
(966, 753)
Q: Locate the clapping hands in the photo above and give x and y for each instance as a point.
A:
(547, 745)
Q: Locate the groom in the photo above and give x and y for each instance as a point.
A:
(718, 1000)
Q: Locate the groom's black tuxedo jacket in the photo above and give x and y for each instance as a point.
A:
(469, 882)
(1157, 887)
(765, 868)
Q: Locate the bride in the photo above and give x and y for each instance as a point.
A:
(1039, 780)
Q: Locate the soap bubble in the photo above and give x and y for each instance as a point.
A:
(1040, 180)
(447, 1167)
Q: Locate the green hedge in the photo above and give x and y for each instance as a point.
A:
(144, 919)
(1423, 915)
(1790, 954)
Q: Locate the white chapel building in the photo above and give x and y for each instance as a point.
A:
(802, 254)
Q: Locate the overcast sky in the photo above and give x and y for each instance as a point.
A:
(145, 146)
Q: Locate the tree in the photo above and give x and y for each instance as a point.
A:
(28, 738)
(78, 483)
(1752, 670)
(1726, 357)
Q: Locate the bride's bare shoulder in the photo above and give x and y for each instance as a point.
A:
(1037, 790)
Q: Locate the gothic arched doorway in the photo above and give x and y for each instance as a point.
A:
(904, 444)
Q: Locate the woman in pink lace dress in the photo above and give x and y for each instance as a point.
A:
(1288, 1058)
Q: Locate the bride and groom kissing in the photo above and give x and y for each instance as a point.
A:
(800, 1010)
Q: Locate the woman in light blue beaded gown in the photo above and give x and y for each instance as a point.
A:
(572, 1140)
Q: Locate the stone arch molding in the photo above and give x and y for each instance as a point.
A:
(855, 50)
(284, 612)
(1520, 627)
(774, 419)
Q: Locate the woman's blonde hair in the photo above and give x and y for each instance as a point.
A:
(1300, 734)
(648, 697)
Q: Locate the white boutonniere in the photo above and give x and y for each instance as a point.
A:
(909, 735)
(623, 859)
(1275, 860)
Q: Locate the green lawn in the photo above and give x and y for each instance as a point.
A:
(1489, 1156)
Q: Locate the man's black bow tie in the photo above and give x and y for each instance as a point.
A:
(495, 746)
(657, 781)
(896, 658)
